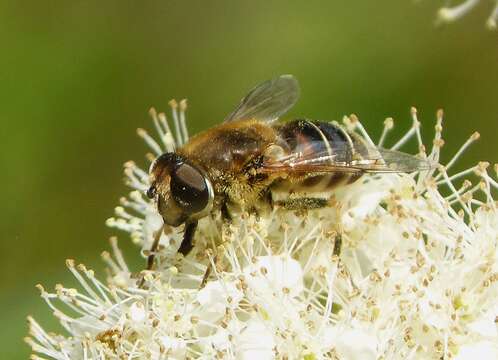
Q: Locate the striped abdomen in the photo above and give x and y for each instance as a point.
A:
(317, 139)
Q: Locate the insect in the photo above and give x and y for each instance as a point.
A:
(251, 159)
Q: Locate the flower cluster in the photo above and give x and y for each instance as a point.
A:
(397, 267)
(452, 13)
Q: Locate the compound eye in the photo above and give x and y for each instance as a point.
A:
(189, 188)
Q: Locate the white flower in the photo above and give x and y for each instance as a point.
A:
(255, 341)
(479, 350)
(275, 274)
(356, 344)
(416, 277)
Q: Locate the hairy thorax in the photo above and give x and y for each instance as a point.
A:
(227, 153)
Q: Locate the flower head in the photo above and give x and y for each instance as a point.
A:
(398, 266)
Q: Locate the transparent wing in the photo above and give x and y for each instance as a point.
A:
(398, 161)
(268, 101)
(376, 160)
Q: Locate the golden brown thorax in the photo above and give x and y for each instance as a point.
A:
(228, 146)
(224, 150)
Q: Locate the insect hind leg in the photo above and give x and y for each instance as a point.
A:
(303, 203)
(219, 251)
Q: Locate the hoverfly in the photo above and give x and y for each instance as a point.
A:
(251, 157)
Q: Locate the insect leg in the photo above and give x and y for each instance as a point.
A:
(153, 249)
(152, 253)
(225, 213)
(216, 262)
(304, 203)
(186, 245)
(206, 274)
(227, 218)
(268, 198)
(337, 245)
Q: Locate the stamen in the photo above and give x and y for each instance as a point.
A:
(330, 297)
(458, 175)
(449, 14)
(388, 125)
(163, 130)
(409, 134)
(174, 113)
(168, 139)
(310, 258)
(438, 142)
(106, 257)
(359, 126)
(493, 18)
(458, 197)
(466, 185)
(157, 125)
(183, 123)
(118, 254)
(150, 141)
(71, 266)
(474, 137)
(421, 146)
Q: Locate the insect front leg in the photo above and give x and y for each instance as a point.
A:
(154, 247)
(186, 245)
(225, 213)
(152, 253)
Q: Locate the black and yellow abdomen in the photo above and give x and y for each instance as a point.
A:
(314, 140)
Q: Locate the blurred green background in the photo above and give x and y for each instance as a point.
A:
(77, 79)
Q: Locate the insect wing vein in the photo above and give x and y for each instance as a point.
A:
(268, 101)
